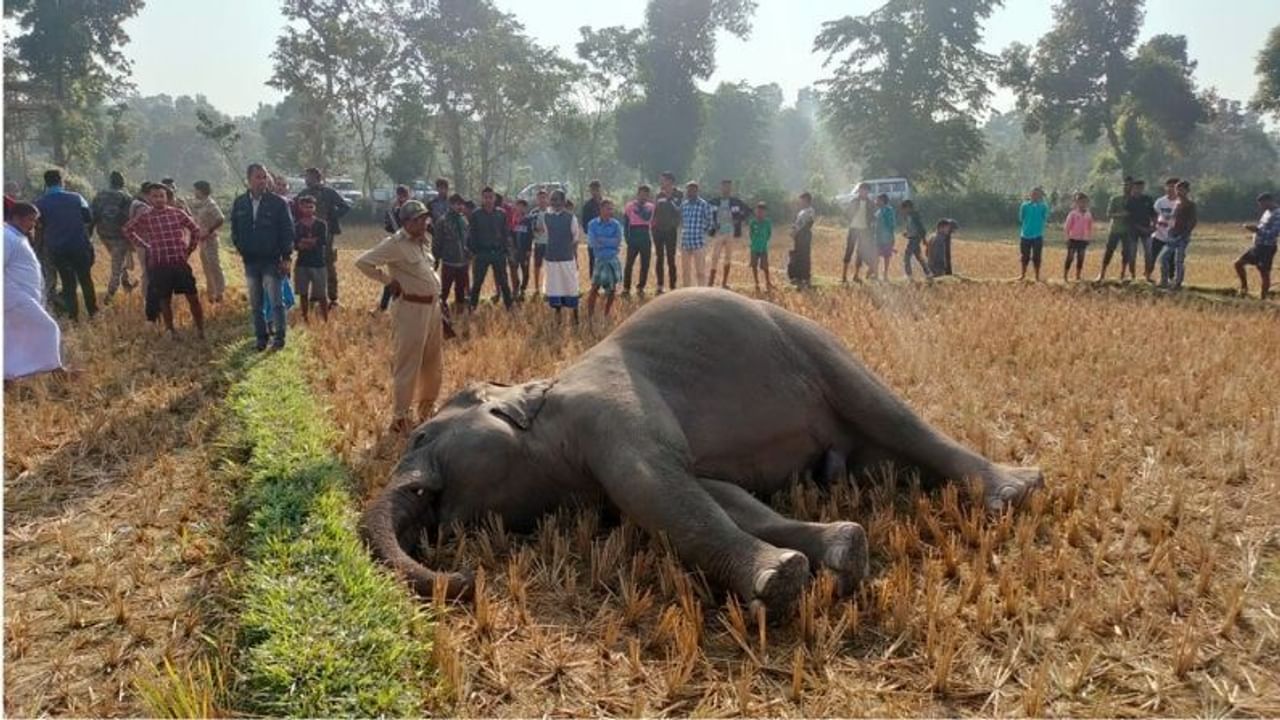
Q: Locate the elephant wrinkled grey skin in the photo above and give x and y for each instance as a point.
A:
(684, 414)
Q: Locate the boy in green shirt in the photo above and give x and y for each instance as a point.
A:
(761, 230)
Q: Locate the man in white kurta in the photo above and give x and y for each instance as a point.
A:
(417, 363)
(32, 340)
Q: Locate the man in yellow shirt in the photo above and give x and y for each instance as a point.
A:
(417, 364)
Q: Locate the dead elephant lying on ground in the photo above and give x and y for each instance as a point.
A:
(681, 418)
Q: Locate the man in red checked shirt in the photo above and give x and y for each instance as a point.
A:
(162, 229)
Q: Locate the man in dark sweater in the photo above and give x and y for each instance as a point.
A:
(262, 232)
(591, 211)
(490, 242)
(666, 229)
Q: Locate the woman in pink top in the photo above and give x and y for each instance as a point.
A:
(1079, 231)
(638, 216)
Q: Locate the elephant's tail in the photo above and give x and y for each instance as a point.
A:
(394, 522)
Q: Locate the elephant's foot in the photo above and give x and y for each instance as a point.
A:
(778, 587)
(1010, 486)
(846, 555)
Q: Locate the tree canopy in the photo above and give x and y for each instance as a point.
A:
(909, 82)
(1084, 77)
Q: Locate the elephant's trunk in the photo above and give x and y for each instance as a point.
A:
(393, 523)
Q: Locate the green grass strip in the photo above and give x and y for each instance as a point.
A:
(323, 631)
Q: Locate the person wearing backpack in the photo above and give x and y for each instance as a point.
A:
(110, 210)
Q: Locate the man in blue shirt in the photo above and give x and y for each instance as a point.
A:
(697, 216)
(1033, 214)
(64, 227)
(1263, 252)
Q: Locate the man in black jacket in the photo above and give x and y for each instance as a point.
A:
(262, 232)
(490, 244)
(727, 231)
(330, 207)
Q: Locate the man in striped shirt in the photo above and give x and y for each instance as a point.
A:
(696, 216)
(170, 236)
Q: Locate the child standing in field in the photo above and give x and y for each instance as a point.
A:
(914, 233)
(761, 229)
(560, 226)
(1033, 215)
(310, 274)
(604, 237)
(1079, 231)
(886, 224)
(940, 248)
(799, 269)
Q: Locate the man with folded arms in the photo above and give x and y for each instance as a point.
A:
(417, 363)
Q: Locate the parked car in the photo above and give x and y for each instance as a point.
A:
(530, 192)
(419, 190)
(898, 189)
(346, 187)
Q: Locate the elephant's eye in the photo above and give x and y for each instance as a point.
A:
(419, 439)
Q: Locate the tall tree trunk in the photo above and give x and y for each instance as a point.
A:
(454, 149)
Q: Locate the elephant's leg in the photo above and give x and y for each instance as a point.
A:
(831, 468)
(875, 414)
(660, 494)
(840, 546)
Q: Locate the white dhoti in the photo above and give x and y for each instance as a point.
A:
(561, 289)
(32, 339)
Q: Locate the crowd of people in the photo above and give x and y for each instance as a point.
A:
(450, 245)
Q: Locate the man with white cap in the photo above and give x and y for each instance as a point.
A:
(417, 364)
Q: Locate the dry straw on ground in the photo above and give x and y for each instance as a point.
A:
(1144, 581)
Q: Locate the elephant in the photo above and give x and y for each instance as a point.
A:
(698, 404)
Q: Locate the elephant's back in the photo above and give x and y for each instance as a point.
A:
(706, 328)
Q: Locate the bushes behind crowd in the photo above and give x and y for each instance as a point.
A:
(1217, 201)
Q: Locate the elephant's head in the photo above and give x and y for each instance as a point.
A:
(463, 463)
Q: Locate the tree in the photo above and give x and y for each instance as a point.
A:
(738, 145)
(116, 134)
(488, 83)
(298, 137)
(792, 136)
(607, 77)
(224, 135)
(1233, 145)
(568, 128)
(1267, 98)
(338, 53)
(678, 49)
(912, 78)
(411, 151)
(66, 61)
(1085, 79)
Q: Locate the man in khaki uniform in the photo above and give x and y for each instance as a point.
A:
(417, 364)
(207, 215)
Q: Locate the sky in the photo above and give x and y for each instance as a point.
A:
(222, 49)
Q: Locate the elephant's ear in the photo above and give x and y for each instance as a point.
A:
(520, 404)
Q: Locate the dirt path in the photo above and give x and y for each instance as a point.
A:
(113, 519)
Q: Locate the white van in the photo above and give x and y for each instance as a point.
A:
(898, 189)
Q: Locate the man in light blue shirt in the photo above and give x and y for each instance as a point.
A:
(1033, 214)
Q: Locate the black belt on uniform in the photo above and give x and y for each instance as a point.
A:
(422, 299)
